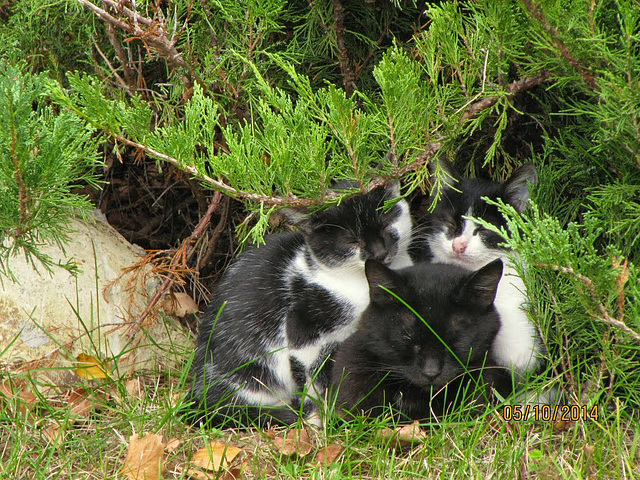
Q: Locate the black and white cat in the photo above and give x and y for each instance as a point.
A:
(457, 240)
(421, 366)
(282, 309)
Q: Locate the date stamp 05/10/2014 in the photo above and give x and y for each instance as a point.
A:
(545, 413)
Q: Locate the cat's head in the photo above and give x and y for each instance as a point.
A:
(454, 239)
(452, 306)
(357, 229)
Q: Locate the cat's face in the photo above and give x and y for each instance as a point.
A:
(358, 229)
(461, 241)
(456, 304)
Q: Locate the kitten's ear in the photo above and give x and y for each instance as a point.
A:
(298, 216)
(393, 187)
(516, 189)
(378, 275)
(480, 289)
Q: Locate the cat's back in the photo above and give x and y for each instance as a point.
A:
(254, 287)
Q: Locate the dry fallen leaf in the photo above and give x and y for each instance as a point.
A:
(403, 435)
(562, 425)
(329, 454)
(80, 403)
(215, 456)
(411, 433)
(296, 442)
(145, 457)
(172, 445)
(179, 304)
(54, 433)
(91, 368)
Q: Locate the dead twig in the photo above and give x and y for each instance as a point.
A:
(152, 33)
(348, 75)
(179, 259)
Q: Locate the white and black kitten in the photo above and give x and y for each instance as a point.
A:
(282, 309)
(457, 240)
(420, 366)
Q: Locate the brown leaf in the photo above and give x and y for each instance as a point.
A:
(215, 456)
(403, 435)
(54, 433)
(296, 442)
(80, 403)
(179, 304)
(135, 388)
(172, 445)
(145, 457)
(329, 454)
(91, 368)
(197, 474)
(411, 433)
(562, 425)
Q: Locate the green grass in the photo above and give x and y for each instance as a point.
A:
(94, 444)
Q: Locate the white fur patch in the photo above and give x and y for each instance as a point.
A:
(516, 344)
(403, 227)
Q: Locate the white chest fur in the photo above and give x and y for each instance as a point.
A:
(516, 345)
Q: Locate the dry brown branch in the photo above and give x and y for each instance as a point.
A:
(180, 257)
(152, 33)
(514, 88)
(290, 199)
(348, 76)
(539, 16)
(602, 315)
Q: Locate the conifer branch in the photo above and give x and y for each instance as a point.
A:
(23, 197)
(289, 200)
(348, 75)
(604, 316)
(562, 47)
(513, 88)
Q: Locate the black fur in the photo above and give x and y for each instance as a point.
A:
(268, 303)
(395, 359)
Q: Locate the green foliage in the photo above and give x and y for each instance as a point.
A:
(586, 298)
(44, 155)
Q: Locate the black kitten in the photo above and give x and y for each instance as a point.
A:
(281, 309)
(416, 365)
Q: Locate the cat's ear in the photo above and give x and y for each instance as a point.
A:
(393, 187)
(298, 216)
(379, 276)
(516, 189)
(480, 289)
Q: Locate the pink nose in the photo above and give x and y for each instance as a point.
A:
(459, 245)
